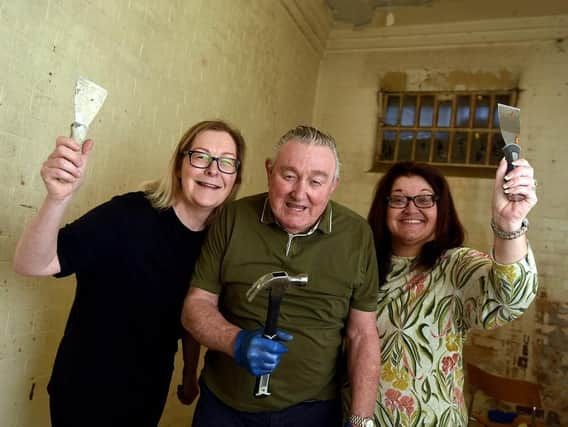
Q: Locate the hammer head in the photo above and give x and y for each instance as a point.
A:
(278, 281)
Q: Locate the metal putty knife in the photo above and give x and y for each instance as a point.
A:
(89, 98)
(510, 124)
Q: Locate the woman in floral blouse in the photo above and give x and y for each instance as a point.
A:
(433, 290)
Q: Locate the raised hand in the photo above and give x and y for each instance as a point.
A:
(508, 214)
(64, 169)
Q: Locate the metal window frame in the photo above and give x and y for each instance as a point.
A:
(468, 168)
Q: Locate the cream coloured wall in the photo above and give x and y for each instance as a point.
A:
(482, 56)
(166, 65)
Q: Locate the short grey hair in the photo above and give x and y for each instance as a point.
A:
(311, 136)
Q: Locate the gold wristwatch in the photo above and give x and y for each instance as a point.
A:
(357, 421)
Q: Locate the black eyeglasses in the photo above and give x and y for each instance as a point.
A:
(420, 201)
(201, 160)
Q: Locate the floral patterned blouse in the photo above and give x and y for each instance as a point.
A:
(423, 319)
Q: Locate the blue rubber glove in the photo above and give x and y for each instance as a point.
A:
(257, 354)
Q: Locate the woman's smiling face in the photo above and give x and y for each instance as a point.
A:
(411, 227)
(208, 188)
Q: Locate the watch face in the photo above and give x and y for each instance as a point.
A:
(368, 423)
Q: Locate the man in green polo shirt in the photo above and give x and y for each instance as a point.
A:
(293, 228)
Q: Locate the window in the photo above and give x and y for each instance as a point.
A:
(455, 131)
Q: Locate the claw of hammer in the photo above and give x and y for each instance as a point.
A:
(275, 278)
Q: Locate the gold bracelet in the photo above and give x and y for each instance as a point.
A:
(510, 235)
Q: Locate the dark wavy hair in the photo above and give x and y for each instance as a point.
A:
(449, 231)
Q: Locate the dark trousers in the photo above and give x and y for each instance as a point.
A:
(84, 411)
(210, 412)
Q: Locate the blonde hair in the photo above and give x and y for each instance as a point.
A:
(162, 192)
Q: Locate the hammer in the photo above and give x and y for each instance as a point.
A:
(277, 282)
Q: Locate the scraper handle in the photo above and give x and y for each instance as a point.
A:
(512, 153)
(79, 132)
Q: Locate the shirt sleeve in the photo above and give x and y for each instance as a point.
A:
(207, 273)
(90, 240)
(365, 295)
(493, 294)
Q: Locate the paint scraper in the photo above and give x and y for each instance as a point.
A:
(510, 125)
(89, 98)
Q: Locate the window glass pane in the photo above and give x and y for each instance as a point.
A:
(391, 115)
(459, 148)
(462, 115)
(497, 144)
(422, 152)
(405, 146)
(499, 99)
(426, 111)
(481, 119)
(444, 114)
(441, 147)
(478, 148)
(408, 111)
(389, 141)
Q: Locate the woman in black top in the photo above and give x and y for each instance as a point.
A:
(133, 257)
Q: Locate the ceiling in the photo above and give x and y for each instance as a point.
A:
(361, 12)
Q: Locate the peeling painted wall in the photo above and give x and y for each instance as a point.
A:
(552, 336)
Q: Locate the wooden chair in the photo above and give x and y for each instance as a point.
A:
(509, 390)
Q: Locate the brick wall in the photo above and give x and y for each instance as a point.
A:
(166, 65)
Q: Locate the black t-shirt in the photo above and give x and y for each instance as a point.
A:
(133, 265)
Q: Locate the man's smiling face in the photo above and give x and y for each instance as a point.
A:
(300, 183)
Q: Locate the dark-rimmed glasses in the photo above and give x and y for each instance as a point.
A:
(420, 201)
(202, 160)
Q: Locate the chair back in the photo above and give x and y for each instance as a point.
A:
(511, 390)
(520, 392)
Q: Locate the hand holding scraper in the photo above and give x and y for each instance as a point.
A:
(60, 182)
(510, 125)
(89, 98)
(277, 283)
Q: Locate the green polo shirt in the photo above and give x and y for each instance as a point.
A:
(338, 255)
